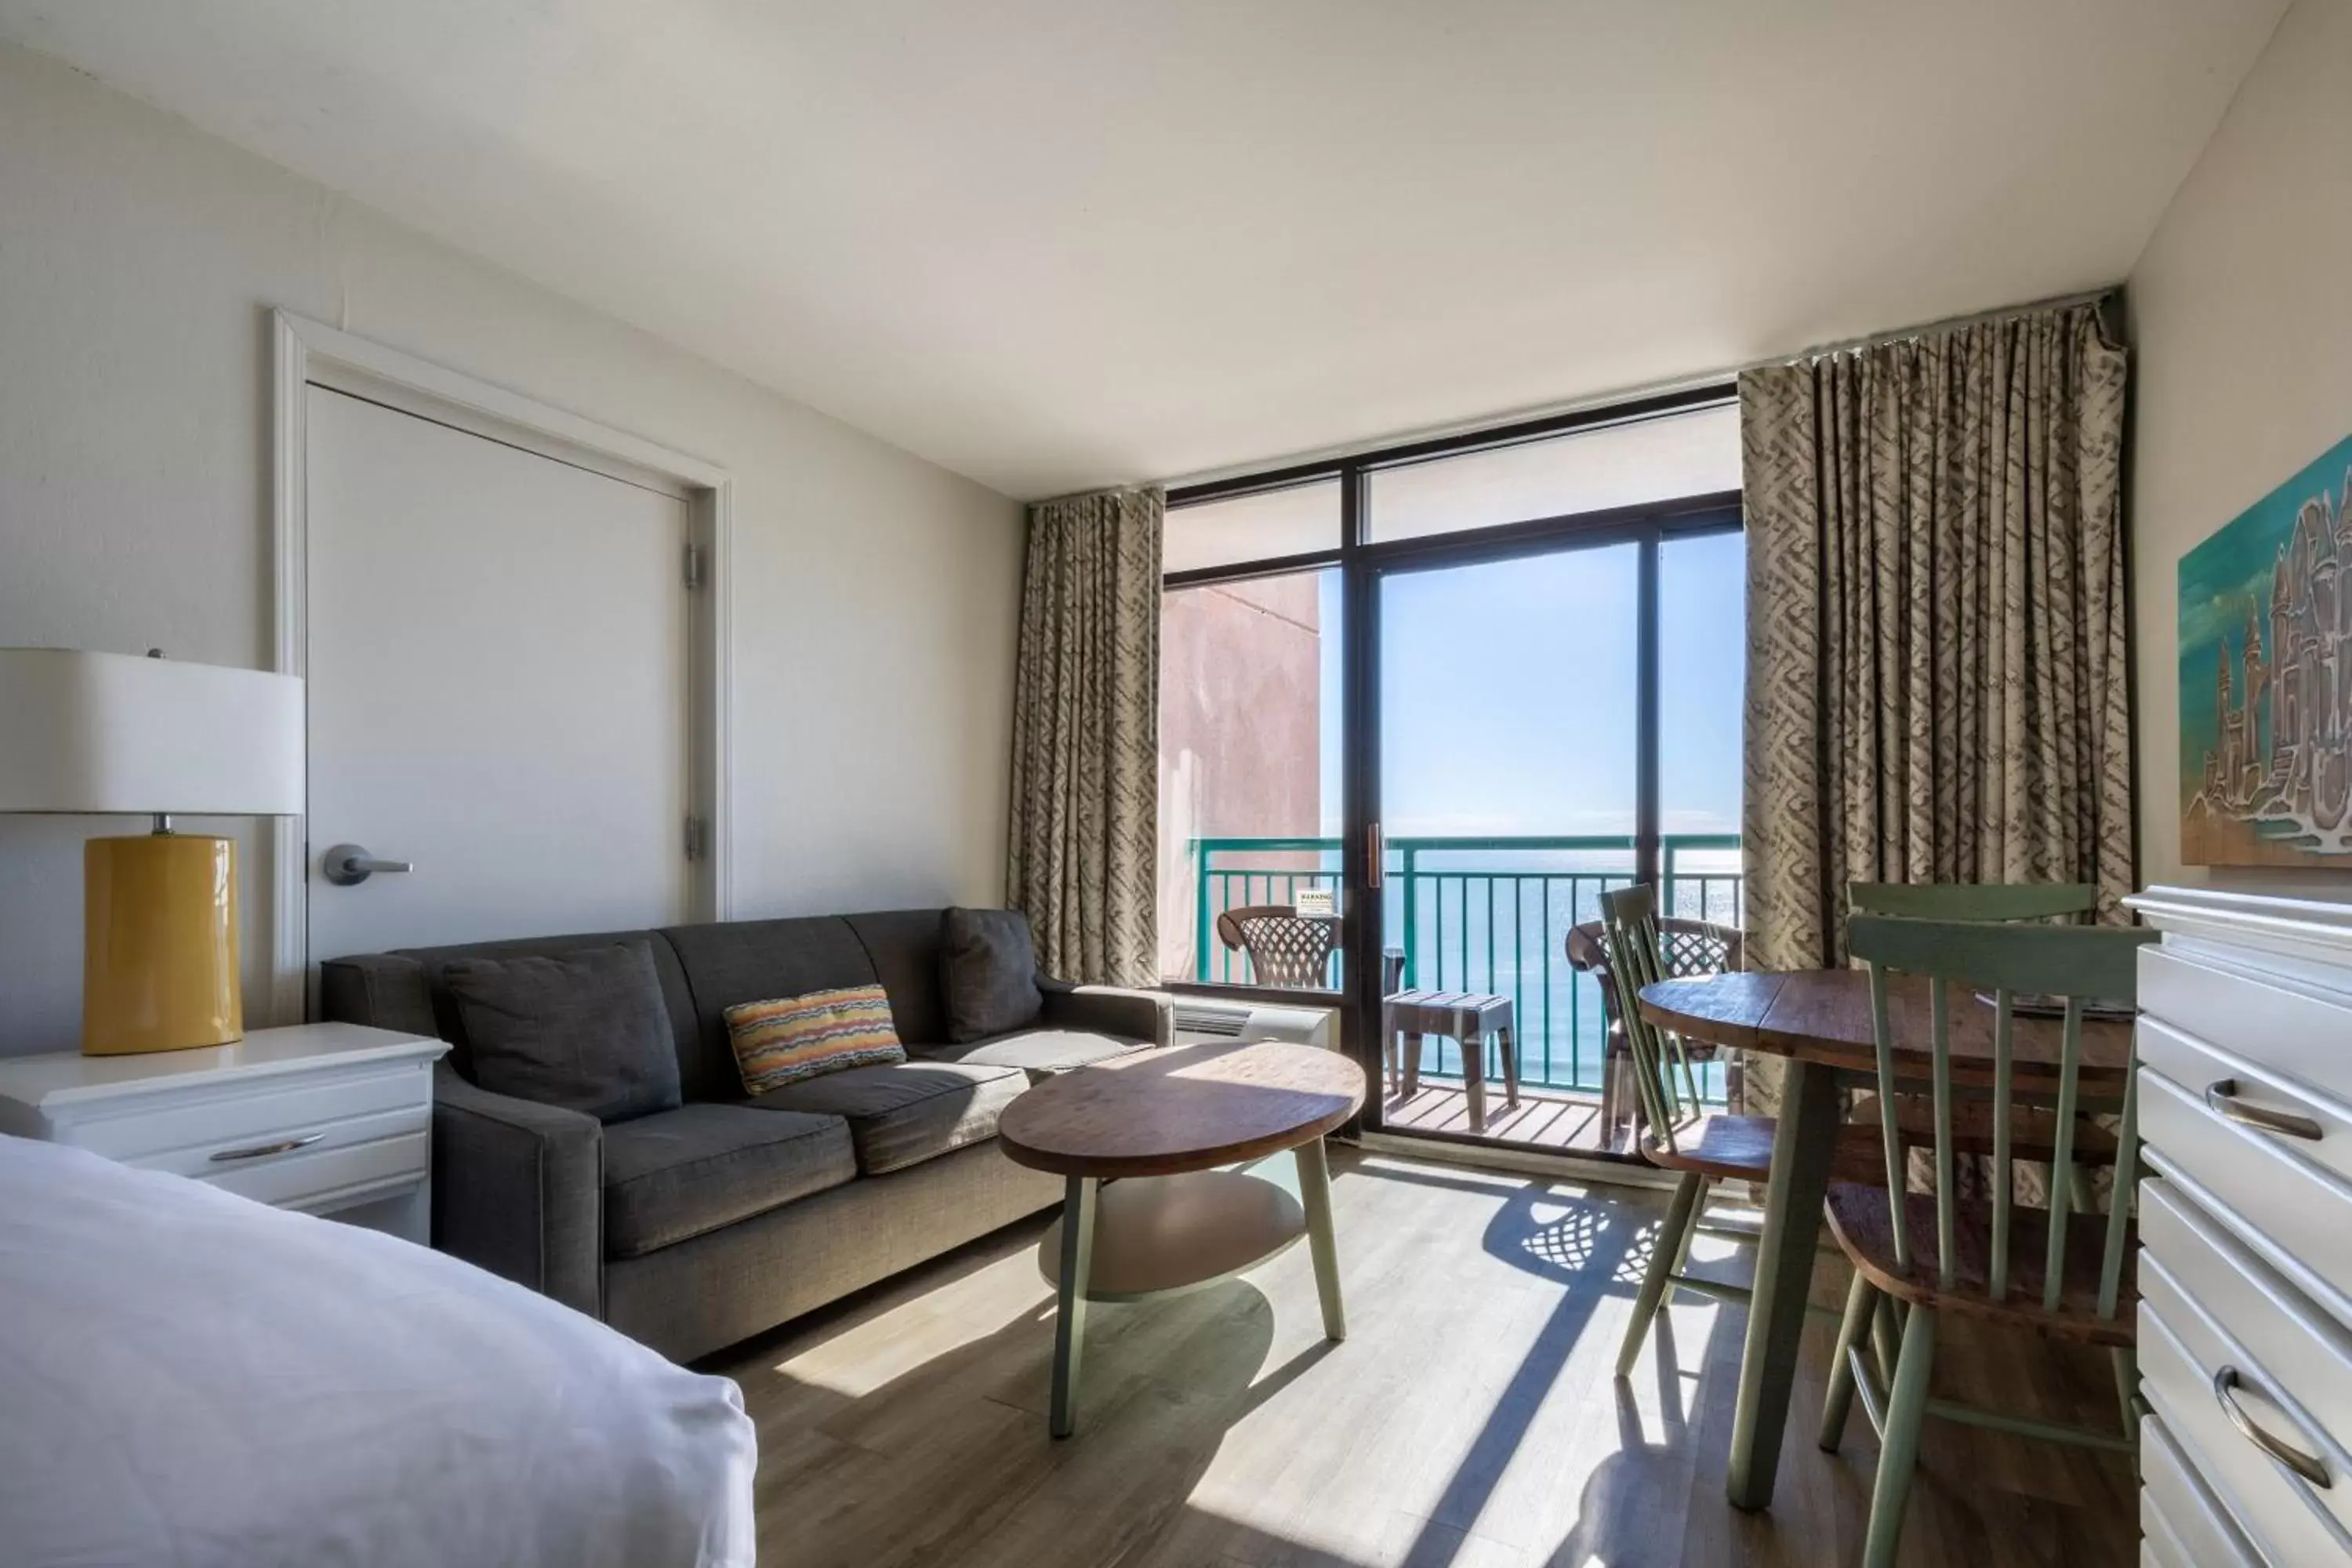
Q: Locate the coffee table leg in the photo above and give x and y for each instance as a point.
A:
(1070, 1312)
(1315, 1197)
(1801, 1147)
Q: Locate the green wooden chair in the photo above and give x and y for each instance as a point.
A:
(2028, 1267)
(1677, 1131)
(1972, 901)
(2033, 1129)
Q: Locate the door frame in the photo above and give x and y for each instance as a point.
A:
(307, 353)
(1647, 528)
(1362, 561)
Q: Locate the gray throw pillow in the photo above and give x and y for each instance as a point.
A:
(988, 974)
(583, 1031)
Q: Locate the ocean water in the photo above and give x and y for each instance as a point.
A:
(1497, 922)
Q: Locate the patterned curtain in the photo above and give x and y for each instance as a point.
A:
(1937, 668)
(1083, 840)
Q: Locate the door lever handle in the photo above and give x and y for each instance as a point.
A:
(348, 865)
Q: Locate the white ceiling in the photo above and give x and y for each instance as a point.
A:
(1055, 243)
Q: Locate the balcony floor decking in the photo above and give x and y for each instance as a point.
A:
(1544, 1118)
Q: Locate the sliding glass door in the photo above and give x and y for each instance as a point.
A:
(1510, 773)
(1538, 745)
(1428, 704)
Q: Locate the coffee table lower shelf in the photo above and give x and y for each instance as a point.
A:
(1153, 1149)
(1133, 1237)
(1155, 1235)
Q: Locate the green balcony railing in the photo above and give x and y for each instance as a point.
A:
(1479, 914)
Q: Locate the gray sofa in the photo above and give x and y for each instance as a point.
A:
(691, 1228)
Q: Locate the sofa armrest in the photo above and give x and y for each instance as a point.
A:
(382, 990)
(519, 1189)
(1109, 1010)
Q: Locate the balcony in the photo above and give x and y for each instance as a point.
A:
(1478, 914)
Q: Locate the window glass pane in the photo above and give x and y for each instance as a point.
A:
(1702, 653)
(1249, 766)
(1508, 697)
(1510, 737)
(1253, 527)
(1663, 458)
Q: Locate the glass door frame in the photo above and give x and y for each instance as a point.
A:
(1362, 580)
(1364, 562)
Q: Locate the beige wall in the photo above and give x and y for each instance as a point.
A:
(874, 594)
(2242, 314)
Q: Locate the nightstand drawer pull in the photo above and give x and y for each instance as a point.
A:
(2221, 1099)
(2308, 1465)
(263, 1151)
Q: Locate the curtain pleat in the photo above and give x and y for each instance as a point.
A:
(1937, 676)
(1082, 847)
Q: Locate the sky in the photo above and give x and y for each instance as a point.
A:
(1507, 693)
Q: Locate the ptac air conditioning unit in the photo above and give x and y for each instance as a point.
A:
(1200, 1018)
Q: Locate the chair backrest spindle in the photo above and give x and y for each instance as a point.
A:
(1897, 1157)
(1940, 1013)
(1630, 924)
(2004, 1166)
(2075, 963)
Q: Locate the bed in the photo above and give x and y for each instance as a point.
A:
(188, 1378)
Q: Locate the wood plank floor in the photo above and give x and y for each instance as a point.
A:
(1544, 1119)
(1471, 1420)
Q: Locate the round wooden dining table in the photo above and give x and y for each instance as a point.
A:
(1819, 1022)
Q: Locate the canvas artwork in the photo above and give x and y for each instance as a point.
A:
(2266, 678)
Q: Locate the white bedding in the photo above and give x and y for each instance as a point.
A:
(190, 1378)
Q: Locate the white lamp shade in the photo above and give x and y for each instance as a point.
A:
(87, 733)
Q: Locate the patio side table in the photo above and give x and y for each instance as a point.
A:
(1466, 1017)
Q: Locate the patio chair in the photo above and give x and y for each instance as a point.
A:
(1284, 947)
(1690, 947)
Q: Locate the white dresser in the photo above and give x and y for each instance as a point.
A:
(2245, 1266)
(332, 1119)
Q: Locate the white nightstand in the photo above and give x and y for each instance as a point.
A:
(330, 1119)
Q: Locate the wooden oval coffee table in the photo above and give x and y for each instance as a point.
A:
(1158, 1125)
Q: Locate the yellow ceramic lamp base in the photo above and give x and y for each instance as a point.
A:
(160, 969)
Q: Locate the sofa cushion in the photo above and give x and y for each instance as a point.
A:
(793, 1038)
(1040, 1053)
(907, 1113)
(583, 1031)
(751, 961)
(404, 990)
(903, 945)
(988, 974)
(677, 1173)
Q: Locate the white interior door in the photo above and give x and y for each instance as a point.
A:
(500, 670)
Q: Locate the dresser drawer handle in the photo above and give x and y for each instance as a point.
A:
(2221, 1099)
(2307, 1466)
(263, 1151)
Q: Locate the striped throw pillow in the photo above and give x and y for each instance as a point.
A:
(796, 1038)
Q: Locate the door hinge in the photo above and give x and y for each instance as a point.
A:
(698, 566)
(698, 838)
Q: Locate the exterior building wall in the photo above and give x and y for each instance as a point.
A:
(1240, 732)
